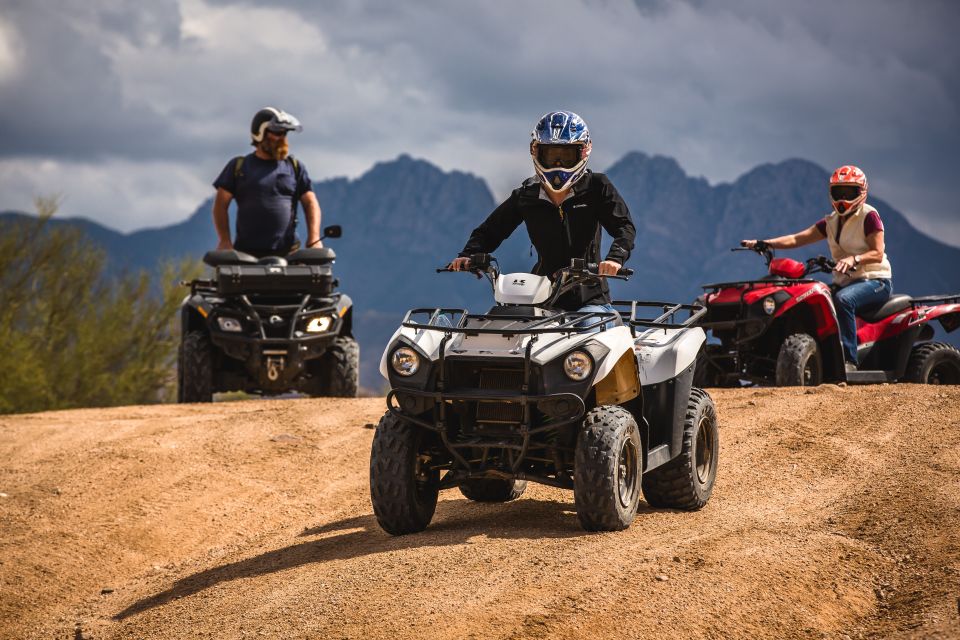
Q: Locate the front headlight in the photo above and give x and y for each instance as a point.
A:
(229, 324)
(405, 361)
(319, 324)
(577, 365)
(769, 306)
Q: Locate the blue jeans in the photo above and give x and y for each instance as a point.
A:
(592, 308)
(850, 299)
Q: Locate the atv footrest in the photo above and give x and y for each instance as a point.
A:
(871, 377)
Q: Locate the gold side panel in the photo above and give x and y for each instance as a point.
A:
(621, 384)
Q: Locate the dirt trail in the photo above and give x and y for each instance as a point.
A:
(836, 514)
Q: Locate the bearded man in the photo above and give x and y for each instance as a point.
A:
(267, 185)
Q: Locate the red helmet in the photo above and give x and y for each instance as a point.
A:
(848, 189)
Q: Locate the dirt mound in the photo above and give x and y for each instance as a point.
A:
(836, 513)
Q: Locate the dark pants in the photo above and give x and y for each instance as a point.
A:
(850, 299)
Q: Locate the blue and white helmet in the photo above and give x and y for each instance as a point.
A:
(560, 149)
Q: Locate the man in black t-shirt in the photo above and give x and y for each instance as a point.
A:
(267, 185)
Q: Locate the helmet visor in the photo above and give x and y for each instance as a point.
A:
(845, 192)
(559, 156)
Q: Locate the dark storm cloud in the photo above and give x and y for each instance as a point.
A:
(65, 99)
(720, 86)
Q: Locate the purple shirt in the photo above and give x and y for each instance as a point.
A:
(871, 224)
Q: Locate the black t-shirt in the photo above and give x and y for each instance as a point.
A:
(267, 193)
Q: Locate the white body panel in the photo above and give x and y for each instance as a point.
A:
(663, 353)
(522, 288)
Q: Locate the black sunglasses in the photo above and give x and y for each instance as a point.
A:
(281, 133)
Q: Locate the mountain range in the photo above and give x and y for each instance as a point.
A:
(403, 218)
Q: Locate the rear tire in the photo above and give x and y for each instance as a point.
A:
(933, 363)
(339, 369)
(195, 368)
(403, 492)
(707, 373)
(607, 470)
(492, 489)
(686, 482)
(799, 363)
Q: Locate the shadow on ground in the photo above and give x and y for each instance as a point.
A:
(455, 522)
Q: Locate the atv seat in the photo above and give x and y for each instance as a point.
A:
(231, 257)
(893, 304)
(318, 255)
(521, 310)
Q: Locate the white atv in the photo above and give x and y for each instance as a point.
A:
(601, 403)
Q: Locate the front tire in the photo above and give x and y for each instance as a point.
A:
(934, 363)
(607, 471)
(686, 482)
(339, 369)
(799, 363)
(195, 368)
(492, 489)
(403, 488)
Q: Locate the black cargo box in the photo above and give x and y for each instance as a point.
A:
(316, 280)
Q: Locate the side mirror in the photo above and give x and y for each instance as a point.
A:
(333, 231)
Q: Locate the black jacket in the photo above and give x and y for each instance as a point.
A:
(571, 230)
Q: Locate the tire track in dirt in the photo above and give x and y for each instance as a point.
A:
(835, 514)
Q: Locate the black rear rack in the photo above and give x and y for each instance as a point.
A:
(948, 299)
(667, 318)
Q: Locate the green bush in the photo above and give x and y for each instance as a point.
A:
(73, 335)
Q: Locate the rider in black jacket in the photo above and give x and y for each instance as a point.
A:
(563, 207)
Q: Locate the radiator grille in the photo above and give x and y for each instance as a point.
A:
(500, 380)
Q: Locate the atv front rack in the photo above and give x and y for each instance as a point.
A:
(567, 322)
(753, 284)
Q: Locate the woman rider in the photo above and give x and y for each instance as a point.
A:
(854, 232)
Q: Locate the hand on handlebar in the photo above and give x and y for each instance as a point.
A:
(748, 244)
(459, 264)
(845, 264)
(608, 268)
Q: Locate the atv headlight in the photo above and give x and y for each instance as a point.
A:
(405, 361)
(769, 305)
(577, 365)
(319, 324)
(229, 324)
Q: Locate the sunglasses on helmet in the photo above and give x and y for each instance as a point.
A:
(845, 192)
(559, 156)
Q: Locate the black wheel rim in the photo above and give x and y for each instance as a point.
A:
(811, 372)
(705, 449)
(628, 473)
(944, 373)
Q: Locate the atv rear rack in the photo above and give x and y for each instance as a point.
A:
(666, 320)
(924, 300)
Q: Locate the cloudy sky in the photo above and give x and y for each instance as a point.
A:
(129, 110)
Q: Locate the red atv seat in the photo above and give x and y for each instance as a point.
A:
(893, 304)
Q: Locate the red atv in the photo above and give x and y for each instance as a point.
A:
(782, 329)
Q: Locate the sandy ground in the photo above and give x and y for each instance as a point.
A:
(835, 515)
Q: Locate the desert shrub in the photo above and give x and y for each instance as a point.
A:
(73, 334)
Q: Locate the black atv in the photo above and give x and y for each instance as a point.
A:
(268, 326)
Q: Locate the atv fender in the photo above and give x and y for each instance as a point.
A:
(664, 353)
(193, 313)
(345, 311)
